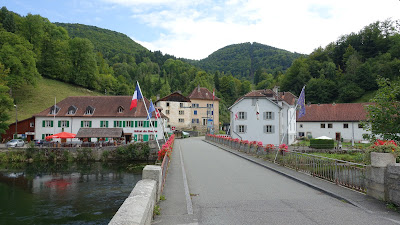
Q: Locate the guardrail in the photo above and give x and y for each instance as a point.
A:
(344, 173)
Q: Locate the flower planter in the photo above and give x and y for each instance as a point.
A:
(260, 150)
(253, 149)
(382, 159)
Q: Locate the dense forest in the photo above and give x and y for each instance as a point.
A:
(347, 69)
(32, 47)
(243, 60)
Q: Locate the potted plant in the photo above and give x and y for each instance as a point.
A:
(269, 148)
(382, 153)
(283, 148)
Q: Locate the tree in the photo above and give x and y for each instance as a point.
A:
(5, 100)
(383, 116)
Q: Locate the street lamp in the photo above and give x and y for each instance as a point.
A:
(16, 121)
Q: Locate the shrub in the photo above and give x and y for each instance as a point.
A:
(322, 143)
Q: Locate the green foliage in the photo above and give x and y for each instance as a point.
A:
(84, 154)
(322, 144)
(5, 100)
(383, 116)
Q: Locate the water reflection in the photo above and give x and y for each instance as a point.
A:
(63, 193)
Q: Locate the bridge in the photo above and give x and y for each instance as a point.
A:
(209, 184)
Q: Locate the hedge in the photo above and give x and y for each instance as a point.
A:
(322, 143)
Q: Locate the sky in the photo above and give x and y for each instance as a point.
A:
(194, 29)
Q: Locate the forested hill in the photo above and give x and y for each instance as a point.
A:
(244, 59)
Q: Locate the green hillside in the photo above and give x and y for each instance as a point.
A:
(32, 100)
(244, 59)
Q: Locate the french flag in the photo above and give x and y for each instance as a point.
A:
(136, 96)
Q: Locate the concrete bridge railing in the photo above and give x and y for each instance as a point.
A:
(138, 207)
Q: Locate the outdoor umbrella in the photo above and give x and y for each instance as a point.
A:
(61, 135)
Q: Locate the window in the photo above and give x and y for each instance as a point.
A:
(360, 126)
(195, 105)
(154, 123)
(195, 112)
(268, 115)
(210, 105)
(151, 137)
(103, 123)
(140, 137)
(52, 111)
(193, 120)
(241, 128)
(167, 111)
(31, 124)
(181, 105)
(120, 109)
(204, 122)
(71, 110)
(47, 123)
(129, 123)
(167, 104)
(140, 123)
(269, 129)
(45, 135)
(63, 123)
(118, 123)
(301, 134)
(301, 126)
(322, 125)
(330, 125)
(345, 125)
(86, 123)
(242, 115)
(181, 120)
(181, 112)
(89, 110)
(198, 120)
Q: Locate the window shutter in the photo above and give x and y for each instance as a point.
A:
(245, 115)
(124, 124)
(81, 123)
(245, 128)
(272, 115)
(52, 123)
(135, 123)
(101, 123)
(155, 123)
(43, 135)
(272, 129)
(265, 128)
(264, 115)
(106, 123)
(43, 123)
(90, 123)
(120, 123)
(67, 123)
(59, 123)
(237, 128)
(132, 123)
(115, 123)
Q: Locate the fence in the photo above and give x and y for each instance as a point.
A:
(164, 167)
(348, 174)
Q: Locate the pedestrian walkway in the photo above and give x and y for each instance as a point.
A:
(230, 187)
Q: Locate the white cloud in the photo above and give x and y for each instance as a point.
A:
(196, 29)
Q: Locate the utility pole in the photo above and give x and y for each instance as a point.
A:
(16, 121)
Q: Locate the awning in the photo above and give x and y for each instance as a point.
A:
(100, 133)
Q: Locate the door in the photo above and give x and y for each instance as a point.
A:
(338, 136)
(146, 137)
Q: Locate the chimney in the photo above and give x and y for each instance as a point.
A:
(158, 97)
(198, 88)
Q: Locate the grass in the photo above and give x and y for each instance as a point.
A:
(31, 100)
(366, 97)
(351, 157)
(344, 144)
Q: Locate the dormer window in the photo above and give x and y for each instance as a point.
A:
(89, 110)
(71, 110)
(54, 110)
(120, 109)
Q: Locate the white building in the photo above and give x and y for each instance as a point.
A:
(178, 109)
(333, 120)
(74, 113)
(276, 120)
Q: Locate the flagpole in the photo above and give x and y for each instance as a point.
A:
(290, 121)
(213, 113)
(55, 110)
(162, 124)
(154, 133)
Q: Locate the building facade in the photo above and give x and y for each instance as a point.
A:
(336, 121)
(24, 129)
(74, 113)
(178, 110)
(204, 109)
(264, 115)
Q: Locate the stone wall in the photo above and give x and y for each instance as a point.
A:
(392, 181)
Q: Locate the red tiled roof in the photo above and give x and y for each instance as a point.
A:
(335, 112)
(104, 106)
(202, 93)
(175, 97)
(283, 96)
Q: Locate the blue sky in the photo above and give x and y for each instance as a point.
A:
(195, 29)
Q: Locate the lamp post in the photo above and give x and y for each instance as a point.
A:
(16, 121)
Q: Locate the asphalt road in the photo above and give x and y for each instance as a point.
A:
(226, 189)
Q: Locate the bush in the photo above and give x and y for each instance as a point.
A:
(322, 143)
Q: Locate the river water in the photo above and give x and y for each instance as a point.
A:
(85, 193)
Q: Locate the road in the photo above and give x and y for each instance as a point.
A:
(226, 189)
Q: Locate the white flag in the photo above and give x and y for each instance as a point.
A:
(257, 111)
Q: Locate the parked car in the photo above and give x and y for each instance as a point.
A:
(41, 142)
(15, 143)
